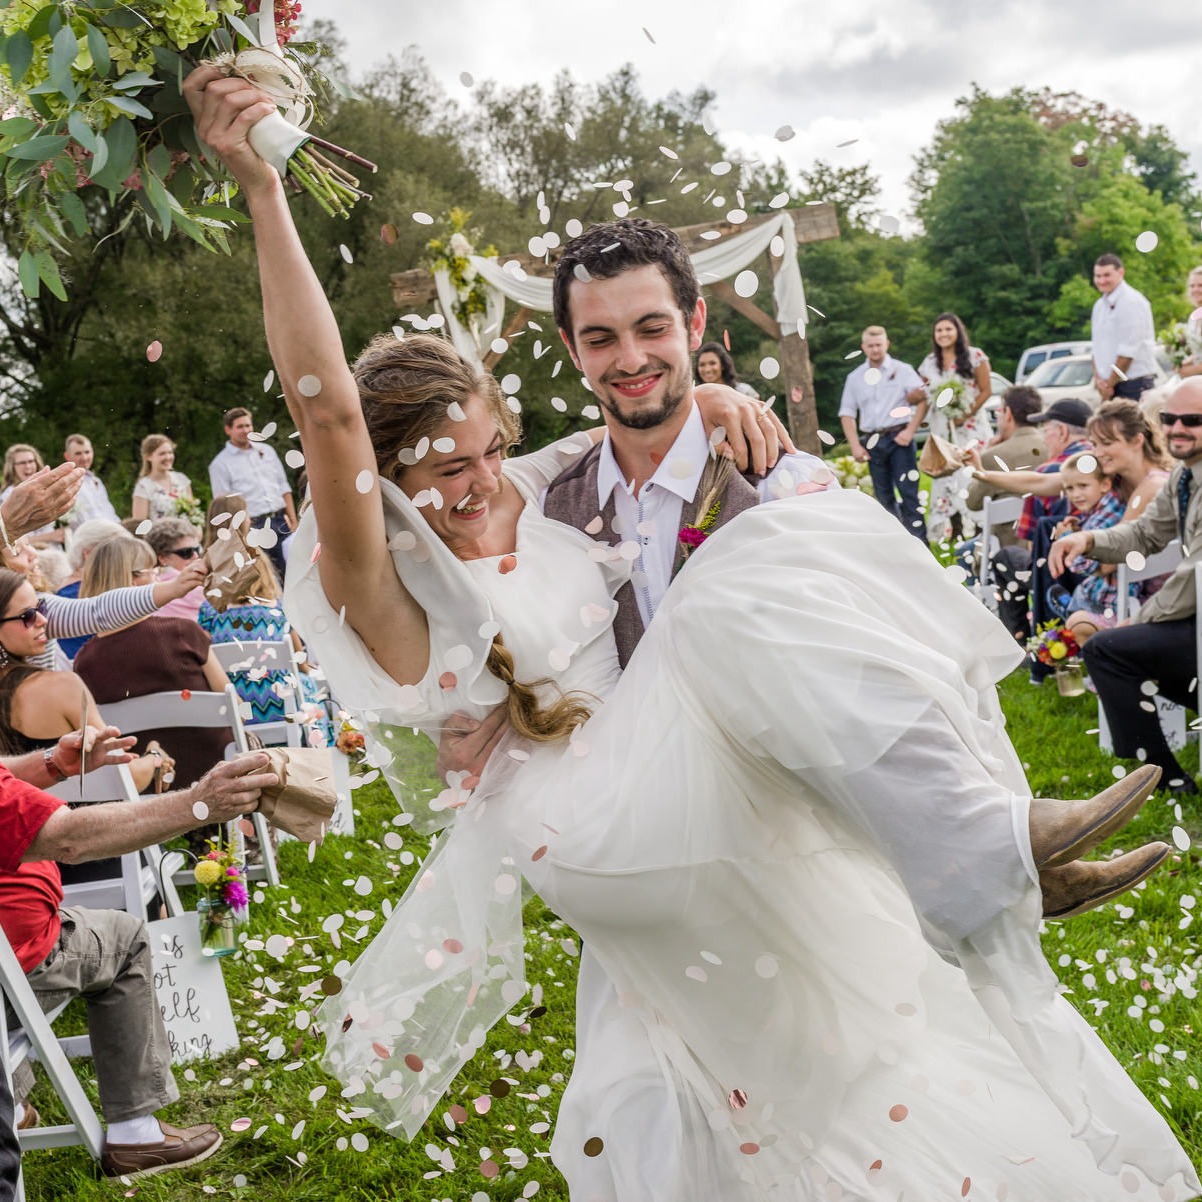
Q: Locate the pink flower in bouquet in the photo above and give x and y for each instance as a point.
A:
(235, 895)
(691, 536)
(287, 16)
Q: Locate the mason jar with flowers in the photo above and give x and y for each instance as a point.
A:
(1055, 646)
(224, 902)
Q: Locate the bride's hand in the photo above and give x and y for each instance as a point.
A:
(225, 108)
(754, 434)
(466, 744)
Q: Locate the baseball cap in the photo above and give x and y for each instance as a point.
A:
(1069, 410)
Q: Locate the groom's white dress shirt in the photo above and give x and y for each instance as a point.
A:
(652, 515)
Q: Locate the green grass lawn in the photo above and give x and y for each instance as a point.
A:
(1130, 968)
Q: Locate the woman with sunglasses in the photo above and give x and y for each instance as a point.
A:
(38, 707)
(258, 615)
(155, 656)
(75, 619)
(176, 543)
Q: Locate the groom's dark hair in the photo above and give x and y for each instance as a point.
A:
(607, 250)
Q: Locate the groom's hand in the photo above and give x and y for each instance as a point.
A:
(466, 743)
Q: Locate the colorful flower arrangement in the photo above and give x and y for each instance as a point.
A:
(452, 252)
(94, 105)
(1053, 644)
(219, 875)
(350, 740)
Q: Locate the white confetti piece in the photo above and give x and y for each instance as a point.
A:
(200, 811)
(308, 386)
(423, 218)
(294, 458)
(1147, 242)
(364, 480)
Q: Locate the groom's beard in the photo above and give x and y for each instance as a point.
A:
(675, 384)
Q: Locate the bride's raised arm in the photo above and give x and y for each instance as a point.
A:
(306, 347)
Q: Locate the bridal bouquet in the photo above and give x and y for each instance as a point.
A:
(950, 397)
(93, 104)
(1182, 342)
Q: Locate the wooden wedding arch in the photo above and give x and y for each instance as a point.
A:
(812, 223)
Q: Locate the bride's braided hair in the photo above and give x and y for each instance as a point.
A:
(405, 386)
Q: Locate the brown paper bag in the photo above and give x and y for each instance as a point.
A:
(940, 457)
(233, 573)
(303, 802)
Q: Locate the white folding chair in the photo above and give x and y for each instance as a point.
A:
(34, 1039)
(137, 882)
(203, 710)
(263, 656)
(1171, 715)
(997, 511)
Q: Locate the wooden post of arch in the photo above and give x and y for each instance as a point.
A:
(813, 223)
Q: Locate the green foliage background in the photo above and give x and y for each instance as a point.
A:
(1014, 197)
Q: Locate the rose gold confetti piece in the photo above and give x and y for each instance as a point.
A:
(331, 986)
(490, 1168)
(594, 1146)
(414, 1062)
(876, 1166)
(737, 1099)
(656, 458)
(965, 1187)
(154, 352)
(316, 553)
(453, 946)
(458, 1113)
(381, 1051)
(186, 695)
(899, 1113)
(388, 234)
(539, 852)
(240, 1125)
(246, 827)
(483, 1105)
(507, 564)
(749, 1148)
(499, 1088)
(346, 1024)
(448, 680)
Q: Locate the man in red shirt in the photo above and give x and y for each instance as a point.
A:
(104, 955)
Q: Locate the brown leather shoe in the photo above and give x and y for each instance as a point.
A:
(1063, 831)
(1084, 884)
(178, 1148)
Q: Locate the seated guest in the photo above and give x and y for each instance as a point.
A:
(38, 707)
(93, 500)
(153, 655)
(85, 537)
(176, 544)
(105, 955)
(1063, 427)
(53, 567)
(22, 462)
(1086, 592)
(1158, 644)
(258, 616)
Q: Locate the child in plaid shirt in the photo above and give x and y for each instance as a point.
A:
(1085, 595)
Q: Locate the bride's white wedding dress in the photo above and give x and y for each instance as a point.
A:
(722, 836)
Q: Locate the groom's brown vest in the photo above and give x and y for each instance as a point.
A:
(572, 498)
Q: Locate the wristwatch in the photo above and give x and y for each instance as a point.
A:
(52, 766)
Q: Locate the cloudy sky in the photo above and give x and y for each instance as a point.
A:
(881, 74)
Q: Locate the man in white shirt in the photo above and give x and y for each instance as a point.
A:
(1123, 334)
(93, 500)
(253, 470)
(882, 407)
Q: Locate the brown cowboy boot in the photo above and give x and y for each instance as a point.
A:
(1084, 884)
(1063, 831)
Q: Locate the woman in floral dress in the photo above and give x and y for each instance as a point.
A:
(161, 492)
(958, 385)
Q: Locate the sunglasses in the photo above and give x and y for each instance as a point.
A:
(28, 617)
(1191, 421)
(186, 552)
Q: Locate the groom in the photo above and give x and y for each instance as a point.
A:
(628, 306)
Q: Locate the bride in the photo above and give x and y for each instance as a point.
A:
(783, 1026)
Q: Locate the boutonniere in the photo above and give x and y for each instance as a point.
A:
(691, 537)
